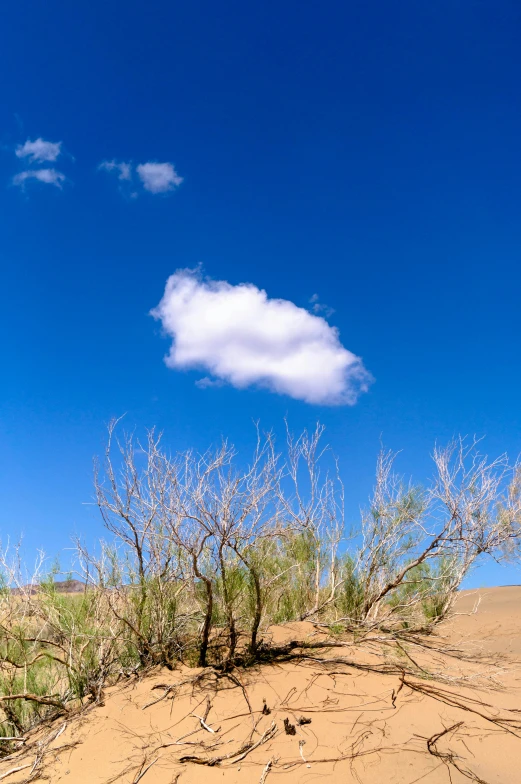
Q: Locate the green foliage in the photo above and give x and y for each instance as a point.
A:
(20, 715)
(294, 567)
(351, 594)
(426, 588)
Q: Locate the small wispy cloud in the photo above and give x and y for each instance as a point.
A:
(158, 177)
(47, 176)
(154, 177)
(39, 151)
(319, 307)
(206, 382)
(244, 338)
(122, 169)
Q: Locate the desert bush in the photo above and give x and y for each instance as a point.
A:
(55, 647)
(418, 544)
(207, 552)
(249, 546)
(246, 545)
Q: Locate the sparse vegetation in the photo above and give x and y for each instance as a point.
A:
(205, 555)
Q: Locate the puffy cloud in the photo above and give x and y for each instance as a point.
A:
(39, 150)
(49, 176)
(158, 177)
(244, 338)
(123, 170)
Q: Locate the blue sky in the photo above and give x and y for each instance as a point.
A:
(368, 154)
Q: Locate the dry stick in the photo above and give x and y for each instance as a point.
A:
(143, 771)
(448, 758)
(34, 698)
(432, 741)
(381, 669)
(266, 770)
(181, 742)
(178, 742)
(208, 707)
(41, 753)
(175, 686)
(268, 735)
(415, 639)
(236, 680)
(362, 753)
(46, 742)
(167, 691)
(194, 743)
(310, 709)
(406, 653)
(42, 750)
(395, 694)
(240, 754)
(14, 770)
(204, 725)
(62, 729)
(202, 719)
(449, 698)
(290, 694)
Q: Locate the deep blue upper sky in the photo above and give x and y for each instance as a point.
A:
(369, 153)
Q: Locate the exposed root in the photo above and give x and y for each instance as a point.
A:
(506, 723)
(237, 755)
(449, 758)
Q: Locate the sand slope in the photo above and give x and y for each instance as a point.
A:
(366, 726)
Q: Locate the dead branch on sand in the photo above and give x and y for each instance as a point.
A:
(237, 755)
(449, 758)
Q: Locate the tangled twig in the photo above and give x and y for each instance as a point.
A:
(237, 755)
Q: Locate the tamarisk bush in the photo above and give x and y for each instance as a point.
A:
(215, 550)
(418, 544)
(207, 551)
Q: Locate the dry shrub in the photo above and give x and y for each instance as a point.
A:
(207, 552)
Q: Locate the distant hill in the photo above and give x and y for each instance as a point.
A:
(62, 586)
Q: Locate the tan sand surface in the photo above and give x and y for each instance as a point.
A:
(454, 717)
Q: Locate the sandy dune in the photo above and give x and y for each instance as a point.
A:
(454, 717)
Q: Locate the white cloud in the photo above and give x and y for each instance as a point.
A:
(158, 177)
(123, 170)
(39, 150)
(244, 338)
(49, 176)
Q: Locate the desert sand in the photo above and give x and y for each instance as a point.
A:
(445, 710)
